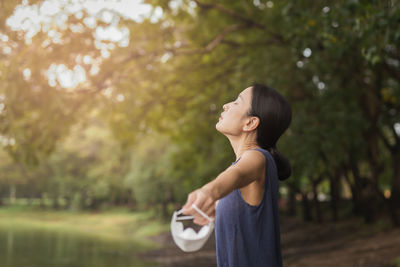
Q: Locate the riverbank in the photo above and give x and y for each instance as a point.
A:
(345, 243)
(113, 225)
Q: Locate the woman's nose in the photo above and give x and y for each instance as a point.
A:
(225, 107)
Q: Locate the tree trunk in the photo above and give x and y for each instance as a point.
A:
(306, 207)
(56, 203)
(13, 193)
(164, 209)
(373, 154)
(291, 211)
(94, 204)
(393, 203)
(1, 196)
(68, 202)
(42, 201)
(83, 199)
(395, 194)
(317, 205)
(131, 200)
(334, 182)
(169, 198)
(368, 200)
(30, 198)
(357, 187)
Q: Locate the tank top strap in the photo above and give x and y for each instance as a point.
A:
(236, 161)
(270, 168)
(268, 156)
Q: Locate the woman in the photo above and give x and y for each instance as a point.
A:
(246, 218)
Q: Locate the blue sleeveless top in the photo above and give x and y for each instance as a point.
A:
(248, 235)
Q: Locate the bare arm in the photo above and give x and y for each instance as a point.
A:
(241, 174)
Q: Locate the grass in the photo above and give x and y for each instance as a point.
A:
(118, 225)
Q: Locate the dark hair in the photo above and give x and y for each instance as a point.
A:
(275, 115)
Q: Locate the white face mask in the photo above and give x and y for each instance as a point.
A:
(188, 240)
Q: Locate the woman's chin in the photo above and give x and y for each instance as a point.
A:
(218, 125)
(219, 128)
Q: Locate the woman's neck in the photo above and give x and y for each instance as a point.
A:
(240, 145)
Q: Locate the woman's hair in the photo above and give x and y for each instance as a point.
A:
(275, 115)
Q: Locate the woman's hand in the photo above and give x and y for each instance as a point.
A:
(204, 201)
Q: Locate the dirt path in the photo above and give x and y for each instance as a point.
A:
(348, 243)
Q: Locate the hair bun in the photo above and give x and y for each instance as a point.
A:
(282, 164)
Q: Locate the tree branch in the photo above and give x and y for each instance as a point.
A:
(249, 22)
(211, 45)
(237, 44)
(230, 12)
(385, 141)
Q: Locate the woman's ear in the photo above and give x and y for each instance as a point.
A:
(251, 124)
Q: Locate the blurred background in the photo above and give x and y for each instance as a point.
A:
(108, 113)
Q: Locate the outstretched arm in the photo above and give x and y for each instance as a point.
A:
(241, 174)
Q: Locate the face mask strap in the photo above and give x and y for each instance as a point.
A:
(202, 213)
(182, 218)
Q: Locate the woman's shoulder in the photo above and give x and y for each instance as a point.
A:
(251, 160)
(252, 157)
(255, 153)
(261, 155)
(259, 150)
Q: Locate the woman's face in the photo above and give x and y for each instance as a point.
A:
(234, 117)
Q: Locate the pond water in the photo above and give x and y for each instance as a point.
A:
(38, 248)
